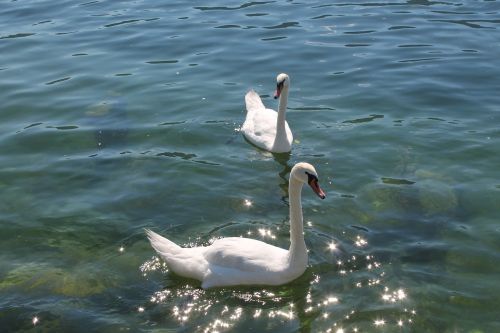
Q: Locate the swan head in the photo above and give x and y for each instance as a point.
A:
(305, 173)
(282, 81)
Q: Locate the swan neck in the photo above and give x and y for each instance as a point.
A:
(297, 243)
(280, 125)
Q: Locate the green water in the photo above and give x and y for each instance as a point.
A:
(121, 115)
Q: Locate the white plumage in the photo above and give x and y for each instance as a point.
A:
(242, 261)
(266, 128)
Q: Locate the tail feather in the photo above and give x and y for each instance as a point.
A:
(188, 262)
(161, 244)
(253, 101)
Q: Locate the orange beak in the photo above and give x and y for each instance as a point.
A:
(315, 186)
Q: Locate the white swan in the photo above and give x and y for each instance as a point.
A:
(266, 128)
(243, 261)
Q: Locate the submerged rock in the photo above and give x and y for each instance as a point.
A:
(390, 198)
(109, 118)
(77, 283)
(424, 194)
(436, 196)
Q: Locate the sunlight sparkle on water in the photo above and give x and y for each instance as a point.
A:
(266, 233)
(284, 314)
(153, 265)
(247, 203)
(160, 296)
(330, 300)
(332, 246)
(360, 242)
(237, 314)
(35, 320)
(396, 295)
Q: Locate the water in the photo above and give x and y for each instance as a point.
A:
(123, 115)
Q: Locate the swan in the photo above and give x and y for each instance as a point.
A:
(266, 128)
(235, 261)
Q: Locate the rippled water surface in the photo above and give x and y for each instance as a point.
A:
(121, 115)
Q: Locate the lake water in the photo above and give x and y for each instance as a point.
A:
(117, 116)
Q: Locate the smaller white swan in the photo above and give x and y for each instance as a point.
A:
(266, 128)
(243, 261)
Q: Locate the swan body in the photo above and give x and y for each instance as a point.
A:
(266, 128)
(243, 261)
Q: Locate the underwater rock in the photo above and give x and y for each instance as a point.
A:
(75, 283)
(390, 198)
(426, 194)
(109, 118)
(435, 194)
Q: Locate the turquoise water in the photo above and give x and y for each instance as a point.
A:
(123, 115)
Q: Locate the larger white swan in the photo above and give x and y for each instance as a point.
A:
(266, 128)
(243, 261)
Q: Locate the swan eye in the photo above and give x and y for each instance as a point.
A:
(311, 177)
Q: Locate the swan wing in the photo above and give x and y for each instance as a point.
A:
(243, 261)
(246, 255)
(260, 128)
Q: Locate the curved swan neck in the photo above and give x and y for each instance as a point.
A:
(280, 124)
(297, 243)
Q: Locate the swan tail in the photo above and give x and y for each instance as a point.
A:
(162, 245)
(253, 101)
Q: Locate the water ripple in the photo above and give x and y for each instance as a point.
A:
(64, 128)
(245, 5)
(400, 27)
(321, 16)
(418, 60)
(58, 81)
(359, 32)
(364, 120)
(158, 62)
(284, 25)
(32, 125)
(471, 23)
(181, 155)
(274, 38)
(395, 181)
(19, 35)
(121, 23)
(89, 3)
